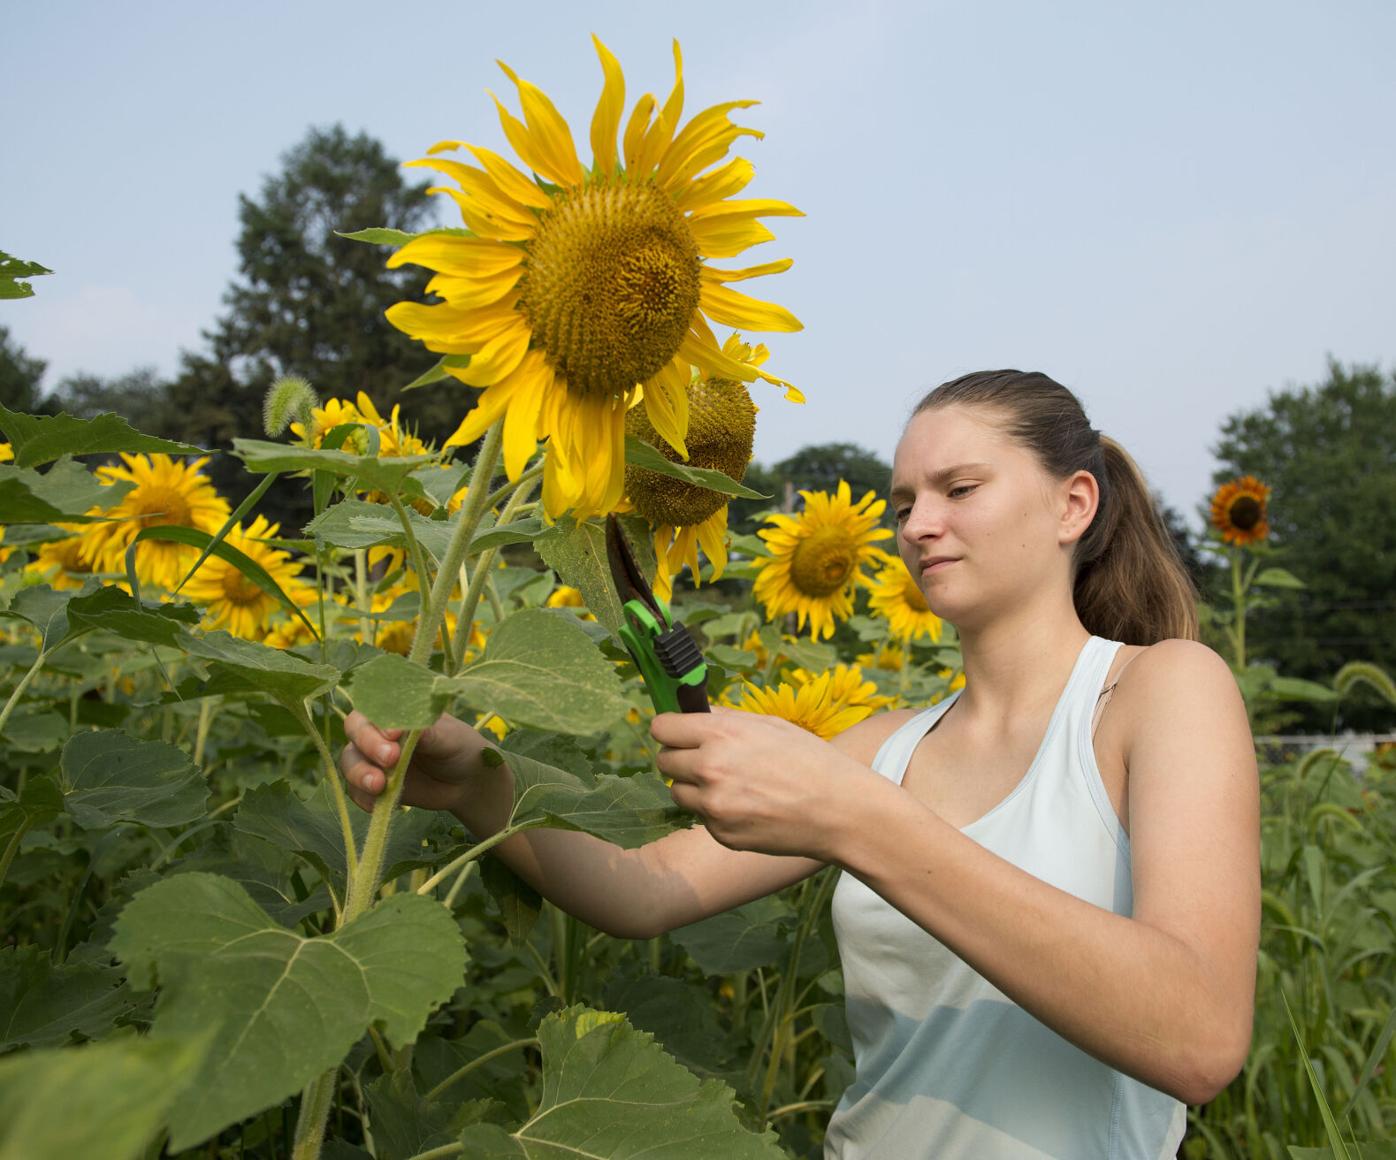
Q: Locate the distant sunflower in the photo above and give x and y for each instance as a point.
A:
(825, 705)
(898, 598)
(325, 418)
(579, 287)
(816, 558)
(290, 633)
(233, 602)
(954, 681)
(1238, 511)
(565, 596)
(721, 433)
(165, 492)
(60, 563)
(890, 658)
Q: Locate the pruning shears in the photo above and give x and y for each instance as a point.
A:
(662, 648)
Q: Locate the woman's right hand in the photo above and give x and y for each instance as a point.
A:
(446, 758)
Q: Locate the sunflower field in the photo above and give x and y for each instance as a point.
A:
(209, 951)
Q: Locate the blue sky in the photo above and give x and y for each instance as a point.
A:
(1171, 208)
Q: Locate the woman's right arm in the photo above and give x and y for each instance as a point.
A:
(680, 878)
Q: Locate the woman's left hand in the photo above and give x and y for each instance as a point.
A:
(756, 782)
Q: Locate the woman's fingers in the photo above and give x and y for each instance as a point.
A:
(378, 745)
(361, 773)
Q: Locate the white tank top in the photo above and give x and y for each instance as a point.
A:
(949, 1068)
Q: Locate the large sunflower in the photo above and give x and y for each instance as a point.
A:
(577, 287)
(165, 492)
(898, 598)
(826, 705)
(232, 601)
(721, 432)
(816, 558)
(1238, 511)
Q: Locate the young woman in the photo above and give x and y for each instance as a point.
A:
(1049, 907)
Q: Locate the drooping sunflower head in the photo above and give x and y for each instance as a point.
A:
(825, 704)
(578, 286)
(61, 563)
(817, 558)
(721, 433)
(1238, 511)
(324, 419)
(898, 598)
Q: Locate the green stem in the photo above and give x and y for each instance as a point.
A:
(315, 1110)
(527, 477)
(361, 595)
(493, 1053)
(10, 850)
(201, 734)
(441, 1153)
(471, 854)
(341, 800)
(419, 560)
(368, 875)
(469, 519)
(481, 578)
(19, 688)
(1238, 596)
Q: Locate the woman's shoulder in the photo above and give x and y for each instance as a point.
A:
(1175, 677)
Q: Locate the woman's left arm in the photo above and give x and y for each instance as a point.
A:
(1166, 994)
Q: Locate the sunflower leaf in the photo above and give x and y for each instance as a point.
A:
(355, 523)
(390, 474)
(12, 270)
(638, 453)
(577, 553)
(67, 491)
(1278, 578)
(40, 439)
(377, 236)
(109, 778)
(440, 371)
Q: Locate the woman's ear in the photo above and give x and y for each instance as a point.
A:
(1080, 497)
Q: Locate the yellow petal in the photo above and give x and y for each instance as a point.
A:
(731, 308)
(606, 120)
(732, 178)
(517, 185)
(487, 225)
(748, 207)
(635, 128)
(710, 274)
(469, 293)
(523, 144)
(712, 535)
(521, 420)
(666, 403)
(464, 257)
(549, 131)
(448, 330)
(480, 186)
(661, 133)
(488, 407)
(496, 360)
(709, 128)
(726, 237)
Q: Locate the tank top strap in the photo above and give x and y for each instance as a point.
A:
(894, 754)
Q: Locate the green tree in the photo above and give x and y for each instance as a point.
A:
(309, 302)
(140, 397)
(1329, 454)
(20, 375)
(818, 467)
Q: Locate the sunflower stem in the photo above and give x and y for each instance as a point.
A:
(361, 595)
(479, 581)
(1238, 597)
(18, 693)
(351, 854)
(419, 565)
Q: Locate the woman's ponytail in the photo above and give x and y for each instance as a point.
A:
(1130, 582)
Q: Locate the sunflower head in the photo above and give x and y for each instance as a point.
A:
(1238, 511)
(817, 558)
(825, 704)
(580, 287)
(896, 596)
(234, 602)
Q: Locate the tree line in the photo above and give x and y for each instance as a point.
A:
(308, 302)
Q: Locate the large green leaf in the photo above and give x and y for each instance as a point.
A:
(66, 492)
(286, 1008)
(309, 827)
(40, 439)
(396, 693)
(741, 939)
(119, 612)
(389, 474)
(13, 271)
(282, 675)
(44, 1006)
(626, 811)
(39, 801)
(106, 1100)
(577, 553)
(640, 454)
(45, 609)
(110, 777)
(611, 1092)
(540, 669)
(356, 523)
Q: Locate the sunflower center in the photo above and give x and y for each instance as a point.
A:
(610, 286)
(721, 429)
(823, 561)
(1245, 513)
(163, 505)
(238, 589)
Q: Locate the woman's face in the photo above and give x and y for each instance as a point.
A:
(980, 523)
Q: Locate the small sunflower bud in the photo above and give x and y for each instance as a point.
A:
(289, 398)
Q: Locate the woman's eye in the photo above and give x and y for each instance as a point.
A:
(965, 487)
(902, 513)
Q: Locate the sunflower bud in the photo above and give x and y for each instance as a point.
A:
(289, 398)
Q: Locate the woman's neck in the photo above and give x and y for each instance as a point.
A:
(1016, 663)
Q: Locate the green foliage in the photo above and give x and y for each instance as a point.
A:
(1327, 452)
(41, 439)
(12, 270)
(20, 375)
